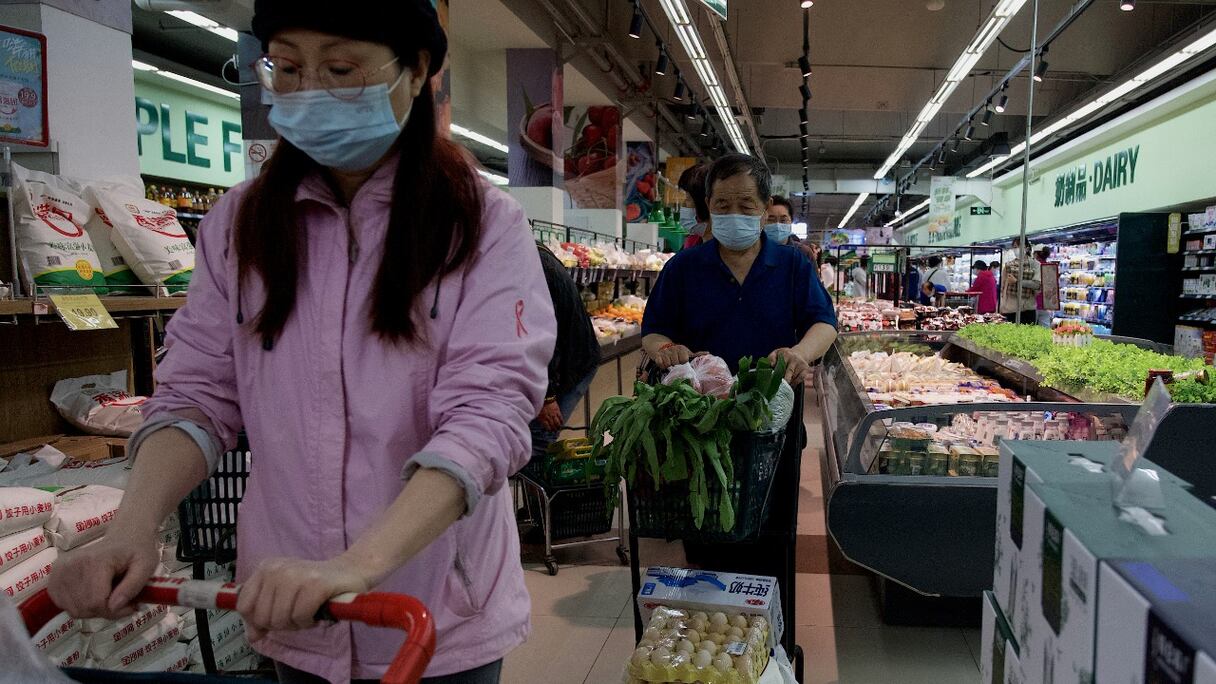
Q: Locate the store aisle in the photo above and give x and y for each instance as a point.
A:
(582, 625)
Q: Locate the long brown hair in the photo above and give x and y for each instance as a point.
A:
(433, 227)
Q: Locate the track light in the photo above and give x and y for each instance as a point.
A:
(970, 134)
(805, 147)
(804, 117)
(806, 4)
(954, 144)
(822, 150)
(804, 63)
(941, 156)
(635, 25)
(802, 129)
(693, 112)
(1002, 103)
(1127, 5)
(806, 91)
(705, 128)
(679, 93)
(987, 120)
(1041, 70)
(660, 67)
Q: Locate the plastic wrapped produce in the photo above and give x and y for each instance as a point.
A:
(782, 405)
(709, 375)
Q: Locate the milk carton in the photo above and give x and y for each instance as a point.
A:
(709, 591)
(1157, 622)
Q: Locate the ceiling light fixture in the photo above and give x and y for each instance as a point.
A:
(899, 216)
(493, 177)
(660, 67)
(804, 64)
(822, 150)
(693, 112)
(677, 13)
(1127, 5)
(954, 143)
(678, 95)
(635, 24)
(198, 84)
(705, 128)
(1002, 102)
(807, 4)
(983, 39)
(1041, 70)
(804, 118)
(987, 119)
(477, 137)
(853, 210)
(1202, 42)
(941, 156)
(970, 134)
(141, 66)
(805, 90)
(204, 23)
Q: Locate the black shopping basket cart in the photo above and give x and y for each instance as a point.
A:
(376, 609)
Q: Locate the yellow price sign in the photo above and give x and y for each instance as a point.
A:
(83, 312)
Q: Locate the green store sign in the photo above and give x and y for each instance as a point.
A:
(188, 135)
(1115, 171)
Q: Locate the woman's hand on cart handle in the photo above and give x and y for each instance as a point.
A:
(672, 354)
(103, 579)
(287, 593)
(796, 366)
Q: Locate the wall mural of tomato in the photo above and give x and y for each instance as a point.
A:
(641, 187)
(534, 89)
(592, 164)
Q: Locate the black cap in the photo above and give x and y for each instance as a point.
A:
(406, 26)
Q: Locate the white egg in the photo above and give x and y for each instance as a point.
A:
(680, 658)
(708, 645)
(723, 662)
(652, 634)
(646, 642)
(717, 619)
(744, 665)
(685, 646)
(700, 623)
(692, 635)
(734, 633)
(661, 656)
(641, 656)
(702, 659)
(760, 622)
(739, 621)
(699, 615)
(718, 638)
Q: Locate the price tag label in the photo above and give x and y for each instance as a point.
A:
(1174, 235)
(83, 312)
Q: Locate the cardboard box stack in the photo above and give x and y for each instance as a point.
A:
(1057, 525)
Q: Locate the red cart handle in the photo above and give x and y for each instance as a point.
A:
(375, 609)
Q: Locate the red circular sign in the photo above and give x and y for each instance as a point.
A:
(28, 97)
(257, 153)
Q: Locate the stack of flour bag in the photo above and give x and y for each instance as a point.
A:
(41, 526)
(103, 237)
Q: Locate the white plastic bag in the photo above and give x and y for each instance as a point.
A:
(782, 405)
(709, 375)
(24, 507)
(18, 546)
(82, 515)
(112, 472)
(148, 236)
(25, 578)
(99, 404)
(55, 249)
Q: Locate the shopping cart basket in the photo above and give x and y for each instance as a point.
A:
(375, 609)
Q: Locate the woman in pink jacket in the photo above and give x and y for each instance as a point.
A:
(375, 318)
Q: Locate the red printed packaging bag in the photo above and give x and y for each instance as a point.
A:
(55, 250)
(120, 278)
(148, 236)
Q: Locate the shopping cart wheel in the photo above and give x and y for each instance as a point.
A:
(551, 564)
(623, 554)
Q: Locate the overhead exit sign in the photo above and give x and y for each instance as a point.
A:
(981, 211)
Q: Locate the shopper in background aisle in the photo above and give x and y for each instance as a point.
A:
(575, 357)
(739, 294)
(779, 221)
(936, 274)
(912, 282)
(1042, 316)
(984, 285)
(827, 273)
(1026, 274)
(694, 215)
(859, 277)
(375, 317)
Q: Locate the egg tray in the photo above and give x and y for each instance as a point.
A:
(693, 647)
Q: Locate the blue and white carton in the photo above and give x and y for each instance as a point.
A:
(710, 591)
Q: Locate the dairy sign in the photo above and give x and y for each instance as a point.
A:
(23, 114)
(1077, 184)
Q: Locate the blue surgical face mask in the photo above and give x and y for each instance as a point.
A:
(688, 218)
(345, 134)
(778, 232)
(736, 231)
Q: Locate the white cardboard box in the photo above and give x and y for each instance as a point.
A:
(999, 662)
(1076, 527)
(1157, 622)
(712, 591)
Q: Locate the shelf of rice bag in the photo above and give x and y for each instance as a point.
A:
(115, 305)
(931, 534)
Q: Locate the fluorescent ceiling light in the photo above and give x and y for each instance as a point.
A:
(142, 66)
(477, 137)
(205, 23)
(198, 84)
(680, 18)
(1131, 85)
(984, 37)
(492, 177)
(853, 210)
(899, 216)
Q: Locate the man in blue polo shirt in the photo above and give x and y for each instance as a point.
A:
(739, 294)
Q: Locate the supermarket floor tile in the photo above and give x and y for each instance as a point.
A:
(836, 601)
(817, 554)
(579, 591)
(560, 650)
(907, 655)
(811, 518)
(610, 664)
(973, 638)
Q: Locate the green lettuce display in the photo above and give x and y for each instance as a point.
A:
(1103, 366)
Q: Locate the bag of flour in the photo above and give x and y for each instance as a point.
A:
(70, 652)
(22, 508)
(144, 648)
(82, 515)
(18, 546)
(176, 658)
(99, 404)
(120, 279)
(111, 637)
(148, 236)
(55, 249)
(51, 637)
(25, 578)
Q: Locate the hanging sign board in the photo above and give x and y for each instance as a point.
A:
(883, 262)
(981, 211)
(941, 204)
(23, 114)
(83, 312)
(718, 7)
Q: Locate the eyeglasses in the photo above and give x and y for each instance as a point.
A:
(340, 78)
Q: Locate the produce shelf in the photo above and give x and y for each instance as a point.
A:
(1200, 269)
(1199, 251)
(115, 305)
(1197, 296)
